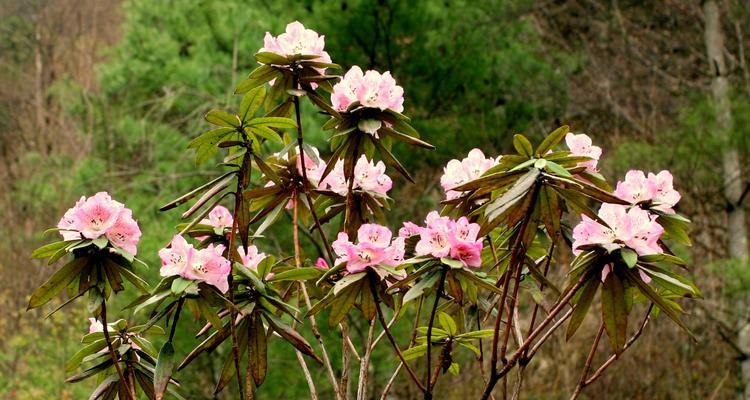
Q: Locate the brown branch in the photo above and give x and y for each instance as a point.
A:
(112, 354)
(587, 365)
(388, 333)
(441, 285)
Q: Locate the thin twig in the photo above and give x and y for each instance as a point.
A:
(306, 296)
(364, 365)
(388, 386)
(387, 331)
(629, 343)
(112, 353)
(589, 360)
(438, 294)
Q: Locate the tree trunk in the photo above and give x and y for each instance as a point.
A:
(731, 166)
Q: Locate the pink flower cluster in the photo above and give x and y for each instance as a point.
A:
(470, 168)
(630, 226)
(252, 258)
(444, 237)
(100, 215)
(374, 247)
(297, 40)
(657, 189)
(371, 89)
(581, 145)
(205, 265)
(368, 176)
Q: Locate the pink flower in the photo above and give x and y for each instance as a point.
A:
(99, 215)
(371, 89)
(67, 223)
(96, 215)
(208, 265)
(468, 253)
(205, 265)
(374, 247)
(408, 230)
(581, 145)
(175, 258)
(219, 218)
(457, 172)
(296, 40)
(635, 228)
(95, 325)
(368, 176)
(665, 196)
(125, 233)
(321, 263)
(657, 189)
(444, 237)
(252, 258)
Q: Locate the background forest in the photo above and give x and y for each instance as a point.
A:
(106, 94)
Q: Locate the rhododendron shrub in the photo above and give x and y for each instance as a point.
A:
(473, 274)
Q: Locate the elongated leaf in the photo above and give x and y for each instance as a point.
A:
(391, 160)
(50, 249)
(523, 146)
(406, 138)
(297, 274)
(290, 335)
(258, 77)
(222, 118)
(251, 102)
(552, 140)
(91, 348)
(614, 312)
(104, 386)
(660, 302)
(258, 350)
(582, 306)
(57, 282)
(273, 122)
(343, 302)
(164, 366)
(267, 57)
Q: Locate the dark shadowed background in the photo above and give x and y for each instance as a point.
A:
(105, 95)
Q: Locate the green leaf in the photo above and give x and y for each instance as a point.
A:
(415, 352)
(582, 306)
(420, 287)
(266, 57)
(100, 242)
(629, 256)
(346, 281)
(671, 311)
(163, 372)
(558, 170)
(453, 263)
(523, 146)
(290, 335)
(297, 274)
(222, 118)
(258, 350)
(57, 282)
(258, 77)
(50, 249)
(447, 323)
(552, 140)
(272, 122)
(91, 348)
(343, 302)
(477, 334)
(614, 312)
(251, 103)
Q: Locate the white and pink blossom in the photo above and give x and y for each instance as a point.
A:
(458, 172)
(657, 189)
(371, 89)
(581, 145)
(374, 247)
(205, 265)
(444, 237)
(368, 176)
(100, 215)
(632, 227)
(296, 40)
